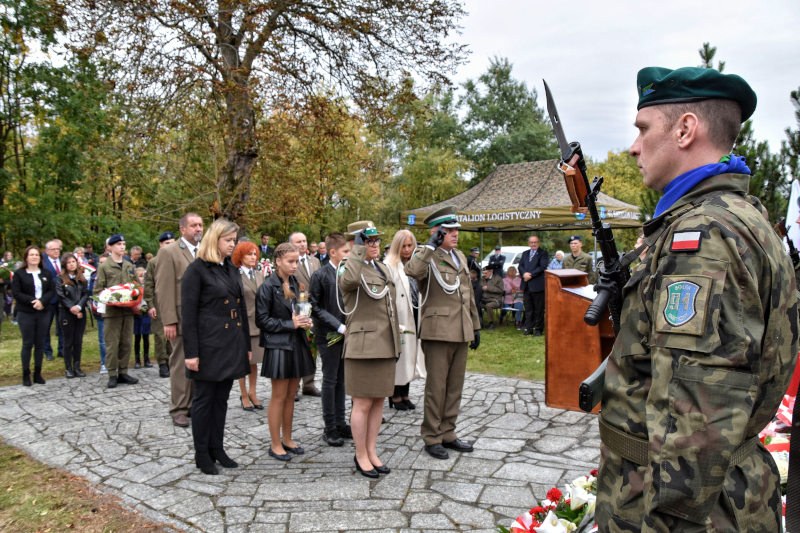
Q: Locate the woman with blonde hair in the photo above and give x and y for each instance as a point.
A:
(216, 340)
(411, 364)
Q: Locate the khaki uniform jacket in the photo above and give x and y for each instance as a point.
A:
(444, 317)
(250, 298)
(372, 329)
(150, 287)
(302, 276)
(494, 291)
(583, 263)
(110, 274)
(173, 260)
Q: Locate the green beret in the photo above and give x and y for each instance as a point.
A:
(658, 85)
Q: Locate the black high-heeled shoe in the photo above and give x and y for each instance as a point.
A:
(246, 408)
(383, 469)
(409, 404)
(256, 405)
(366, 473)
(400, 406)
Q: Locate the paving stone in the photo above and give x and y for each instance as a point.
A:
(477, 467)
(346, 520)
(499, 445)
(432, 521)
(464, 492)
(467, 514)
(511, 422)
(552, 444)
(531, 473)
(321, 490)
(421, 502)
(239, 515)
(520, 497)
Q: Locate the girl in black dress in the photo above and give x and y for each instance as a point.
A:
(287, 356)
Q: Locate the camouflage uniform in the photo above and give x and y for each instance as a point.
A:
(706, 350)
(583, 263)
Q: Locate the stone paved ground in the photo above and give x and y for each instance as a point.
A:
(123, 441)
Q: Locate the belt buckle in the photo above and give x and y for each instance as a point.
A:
(233, 313)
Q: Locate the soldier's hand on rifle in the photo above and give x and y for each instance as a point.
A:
(477, 342)
(437, 238)
(360, 238)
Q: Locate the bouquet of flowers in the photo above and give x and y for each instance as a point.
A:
(562, 512)
(334, 337)
(125, 295)
(266, 267)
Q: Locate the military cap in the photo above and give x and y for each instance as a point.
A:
(167, 235)
(445, 217)
(475, 250)
(498, 247)
(367, 225)
(574, 238)
(114, 239)
(487, 267)
(657, 85)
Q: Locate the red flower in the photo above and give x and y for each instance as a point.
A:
(537, 510)
(593, 473)
(554, 495)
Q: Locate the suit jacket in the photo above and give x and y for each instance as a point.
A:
(49, 266)
(215, 328)
(270, 251)
(301, 274)
(250, 292)
(324, 310)
(496, 263)
(173, 261)
(372, 329)
(274, 315)
(323, 260)
(444, 317)
(109, 274)
(536, 268)
(24, 291)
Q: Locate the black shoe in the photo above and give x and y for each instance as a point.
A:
(37, 376)
(50, 357)
(147, 363)
(69, 374)
(255, 405)
(26, 378)
(383, 469)
(366, 473)
(205, 463)
(137, 365)
(296, 451)
(458, 446)
(246, 408)
(61, 355)
(78, 372)
(222, 458)
(284, 457)
(436, 451)
(409, 404)
(345, 432)
(163, 370)
(383, 420)
(528, 332)
(537, 334)
(400, 406)
(128, 380)
(332, 438)
(112, 382)
(492, 326)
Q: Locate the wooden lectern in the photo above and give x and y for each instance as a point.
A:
(573, 349)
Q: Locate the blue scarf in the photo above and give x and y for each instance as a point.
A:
(684, 183)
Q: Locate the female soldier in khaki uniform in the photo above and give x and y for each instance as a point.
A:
(372, 341)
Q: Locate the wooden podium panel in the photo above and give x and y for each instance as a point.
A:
(573, 349)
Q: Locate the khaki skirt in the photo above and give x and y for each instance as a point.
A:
(369, 378)
(258, 351)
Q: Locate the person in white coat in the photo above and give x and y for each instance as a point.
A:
(411, 364)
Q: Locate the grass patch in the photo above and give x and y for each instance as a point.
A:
(36, 497)
(507, 352)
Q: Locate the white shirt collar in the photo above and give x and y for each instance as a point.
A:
(191, 246)
(246, 270)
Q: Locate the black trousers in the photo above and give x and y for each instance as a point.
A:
(73, 328)
(534, 310)
(333, 409)
(138, 340)
(53, 314)
(34, 327)
(209, 409)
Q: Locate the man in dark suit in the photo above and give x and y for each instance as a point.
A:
(497, 261)
(472, 261)
(322, 254)
(53, 264)
(264, 249)
(532, 267)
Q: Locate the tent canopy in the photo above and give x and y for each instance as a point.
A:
(524, 196)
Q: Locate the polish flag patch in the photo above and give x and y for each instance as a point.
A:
(685, 241)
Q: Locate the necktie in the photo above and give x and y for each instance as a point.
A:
(378, 270)
(253, 278)
(58, 268)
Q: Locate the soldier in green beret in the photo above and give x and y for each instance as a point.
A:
(579, 260)
(708, 336)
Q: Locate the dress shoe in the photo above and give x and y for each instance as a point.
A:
(458, 446)
(126, 379)
(297, 451)
(37, 376)
(181, 421)
(332, 438)
(205, 463)
(147, 363)
(492, 326)
(537, 334)
(112, 382)
(383, 469)
(366, 473)
(26, 378)
(312, 391)
(528, 332)
(409, 404)
(284, 457)
(137, 365)
(78, 372)
(163, 370)
(246, 408)
(436, 451)
(400, 406)
(222, 458)
(345, 431)
(255, 405)
(50, 357)
(69, 374)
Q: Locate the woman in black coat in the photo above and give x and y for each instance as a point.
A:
(287, 356)
(33, 289)
(216, 340)
(73, 293)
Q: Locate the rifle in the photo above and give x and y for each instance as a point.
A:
(614, 273)
(783, 231)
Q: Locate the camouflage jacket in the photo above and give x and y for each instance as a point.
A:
(706, 350)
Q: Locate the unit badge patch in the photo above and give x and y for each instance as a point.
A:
(685, 241)
(681, 306)
(341, 269)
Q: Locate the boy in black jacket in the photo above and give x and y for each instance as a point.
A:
(328, 318)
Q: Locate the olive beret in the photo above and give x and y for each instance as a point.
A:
(657, 85)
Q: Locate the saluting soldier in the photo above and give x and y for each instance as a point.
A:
(708, 337)
(449, 323)
(579, 260)
(157, 325)
(493, 292)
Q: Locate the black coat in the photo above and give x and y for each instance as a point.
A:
(214, 321)
(477, 292)
(324, 310)
(24, 291)
(536, 268)
(274, 315)
(71, 295)
(496, 263)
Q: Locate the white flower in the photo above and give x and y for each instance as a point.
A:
(578, 496)
(551, 524)
(584, 482)
(567, 524)
(402, 328)
(783, 465)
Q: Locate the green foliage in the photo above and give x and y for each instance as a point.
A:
(768, 180)
(707, 53)
(792, 149)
